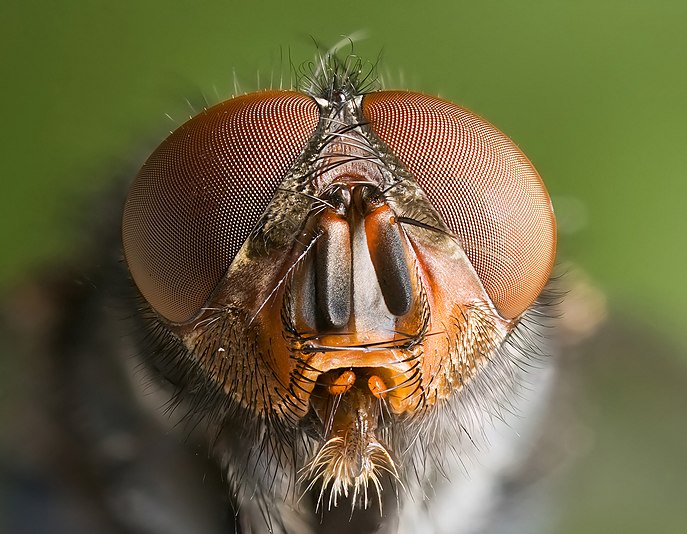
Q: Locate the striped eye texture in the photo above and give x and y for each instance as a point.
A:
(199, 195)
(483, 186)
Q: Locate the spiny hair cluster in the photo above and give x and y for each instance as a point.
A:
(331, 73)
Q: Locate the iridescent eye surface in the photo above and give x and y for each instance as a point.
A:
(202, 191)
(199, 195)
(483, 186)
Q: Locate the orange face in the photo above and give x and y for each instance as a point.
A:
(339, 256)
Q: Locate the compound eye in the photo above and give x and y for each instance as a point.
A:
(483, 186)
(199, 195)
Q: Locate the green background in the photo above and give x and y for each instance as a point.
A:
(593, 91)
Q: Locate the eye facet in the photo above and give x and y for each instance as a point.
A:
(482, 185)
(199, 195)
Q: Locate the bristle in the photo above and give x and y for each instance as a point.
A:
(332, 72)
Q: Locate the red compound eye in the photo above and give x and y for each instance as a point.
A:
(483, 186)
(199, 195)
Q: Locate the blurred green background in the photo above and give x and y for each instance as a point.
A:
(593, 91)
